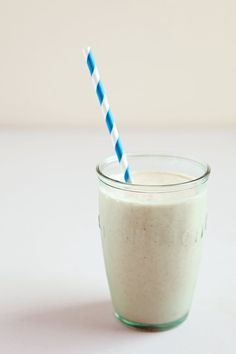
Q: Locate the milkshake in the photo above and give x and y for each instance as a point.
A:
(152, 233)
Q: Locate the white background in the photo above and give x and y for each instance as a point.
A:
(54, 296)
(163, 63)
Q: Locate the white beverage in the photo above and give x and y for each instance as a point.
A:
(152, 245)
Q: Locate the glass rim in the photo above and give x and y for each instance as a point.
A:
(116, 183)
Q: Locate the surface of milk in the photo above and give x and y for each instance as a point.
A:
(152, 246)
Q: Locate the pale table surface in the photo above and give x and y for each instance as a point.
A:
(54, 296)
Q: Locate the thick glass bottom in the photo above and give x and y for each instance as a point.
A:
(151, 327)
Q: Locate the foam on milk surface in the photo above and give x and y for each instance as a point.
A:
(160, 178)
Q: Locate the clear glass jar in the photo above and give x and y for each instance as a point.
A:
(152, 233)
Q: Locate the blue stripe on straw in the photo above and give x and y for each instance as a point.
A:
(119, 150)
(109, 121)
(90, 62)
(127, 175)
(100, 92)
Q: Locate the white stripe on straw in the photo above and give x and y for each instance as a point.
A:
(121, 156)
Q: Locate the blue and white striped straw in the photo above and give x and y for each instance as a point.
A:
(102, 98)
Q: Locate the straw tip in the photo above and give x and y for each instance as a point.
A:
(86, 51)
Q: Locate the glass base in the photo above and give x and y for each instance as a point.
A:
(151, 327)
